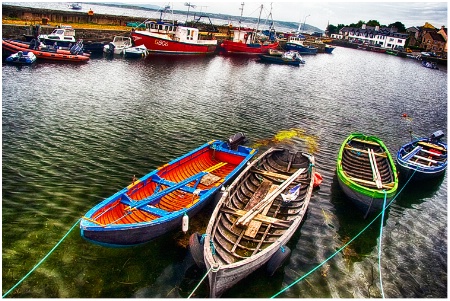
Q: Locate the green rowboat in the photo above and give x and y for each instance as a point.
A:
(366, 172)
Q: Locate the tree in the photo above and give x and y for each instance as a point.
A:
(357, 25)
(399, 25)
(332, 29)
(373, 23)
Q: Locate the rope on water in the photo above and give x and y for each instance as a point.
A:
(42, 260)
(379, 247)
(345, 245)
(200, 282)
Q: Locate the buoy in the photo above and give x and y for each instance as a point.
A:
(404, 115)
(277, 259)
(196, 248)
(317, 179)
(185, 224)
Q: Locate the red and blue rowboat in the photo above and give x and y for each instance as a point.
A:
(157, 203)
(423, 158)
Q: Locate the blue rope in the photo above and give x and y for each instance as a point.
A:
(42, 260)
(202, 239)
(213, 250)
(379, 248)
(345, 245)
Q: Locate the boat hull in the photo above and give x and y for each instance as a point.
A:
(357, 174)
(278, 60)
(165, 46)
(300, 49)
(157, 203)
(232, 250)
(422, 159)
(47, 55)
(239, 47)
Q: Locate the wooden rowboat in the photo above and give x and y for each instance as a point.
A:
(426, 157)
(255, 218)
(161, 200)
(366, 172)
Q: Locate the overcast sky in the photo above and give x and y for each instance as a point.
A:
(319, 14)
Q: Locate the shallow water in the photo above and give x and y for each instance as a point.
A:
(75, 134)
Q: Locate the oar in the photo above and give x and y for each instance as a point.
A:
(245, 219)
(146, 201)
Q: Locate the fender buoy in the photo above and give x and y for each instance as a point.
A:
(185, 223)
(317, 179)
(277, 260)
(196, 249)
(246, 36)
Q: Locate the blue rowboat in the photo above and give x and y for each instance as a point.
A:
(426, 156)
(162, 200)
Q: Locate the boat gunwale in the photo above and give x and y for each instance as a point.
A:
(358, 188)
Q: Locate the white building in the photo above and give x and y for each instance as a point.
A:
(383, 37)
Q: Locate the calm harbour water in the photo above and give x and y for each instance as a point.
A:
(74, 134)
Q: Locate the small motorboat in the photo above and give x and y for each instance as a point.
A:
(117, 46)
(135, 52)
(426, 157)
(286, 58)
(430, 65)
(22, 58)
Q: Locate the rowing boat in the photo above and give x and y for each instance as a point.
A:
(423, 158)
(366, 172)
(163, 199)
(255, 218)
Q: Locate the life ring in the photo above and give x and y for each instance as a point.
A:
(277, 259)
(196, 249)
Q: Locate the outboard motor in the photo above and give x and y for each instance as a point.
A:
(436, 136)
(111, 49)
(236, 140)
(76, 49)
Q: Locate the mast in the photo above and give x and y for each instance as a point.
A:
(242, 11)
(257, 26)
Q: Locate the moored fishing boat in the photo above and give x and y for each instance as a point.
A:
(423, 158)
(255, 218)
(164, 198)
(21, 58)
(366, 172)
(168, 38)
(248, 40)
(45, 54)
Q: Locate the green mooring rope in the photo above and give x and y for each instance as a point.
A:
(42, 260)
(344, 246)
(379, 248)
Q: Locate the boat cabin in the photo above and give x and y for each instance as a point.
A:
(244, 35)
(62, 34)
(295, 40)
(160, 27)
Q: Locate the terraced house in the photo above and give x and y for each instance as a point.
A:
(383, 37)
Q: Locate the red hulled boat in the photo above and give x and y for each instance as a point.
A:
(168, 38)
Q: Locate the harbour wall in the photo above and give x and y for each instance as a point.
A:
(94, 35)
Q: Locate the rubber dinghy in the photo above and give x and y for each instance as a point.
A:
(158, 202)
(255, 218)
